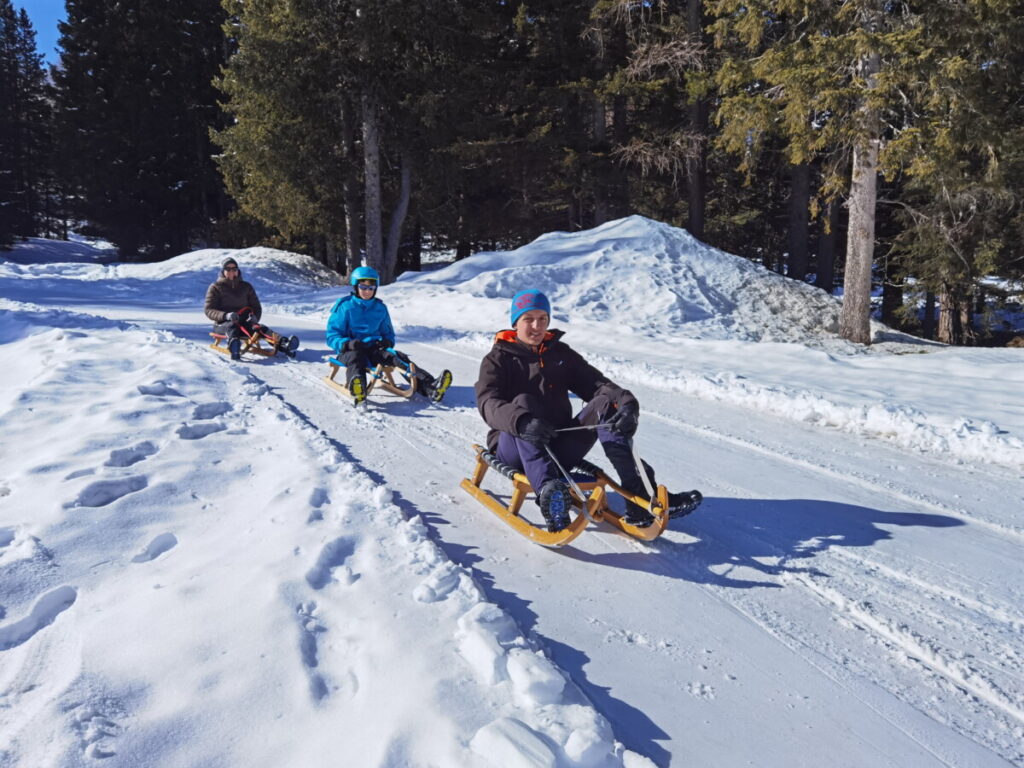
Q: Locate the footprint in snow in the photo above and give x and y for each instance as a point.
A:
(159, 389)
(309, 628)
(317, 499)
(156, 547)
(104, 492)
(206, 411)
(333, 555)
(199, 431)
(125, 457)
(95, 728)
(44, 612)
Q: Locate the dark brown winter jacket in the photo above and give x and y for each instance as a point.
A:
(516, 381)
(227, 295)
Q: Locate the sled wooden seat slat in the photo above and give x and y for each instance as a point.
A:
(593, 508)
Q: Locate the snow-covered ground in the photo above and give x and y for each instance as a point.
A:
(218, 564)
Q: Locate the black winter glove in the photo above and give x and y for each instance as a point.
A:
(536, 431)
(382, 344)
(231, 317)
(626, 419)
(353, 344)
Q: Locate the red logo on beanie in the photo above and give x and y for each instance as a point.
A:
(526, 300)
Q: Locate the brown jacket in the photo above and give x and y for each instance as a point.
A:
(227, 295)
(516, 381)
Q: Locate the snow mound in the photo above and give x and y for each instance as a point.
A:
(650, 278)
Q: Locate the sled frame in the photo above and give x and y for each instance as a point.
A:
(254, 343)
(593, 508)
(384, 375)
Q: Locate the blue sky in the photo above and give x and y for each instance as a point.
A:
(44, 15)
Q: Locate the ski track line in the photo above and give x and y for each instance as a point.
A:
(996, 614)
(862, 482)
(910, 643)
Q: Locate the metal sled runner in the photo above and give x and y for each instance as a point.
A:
(594, 507)
(382, 375)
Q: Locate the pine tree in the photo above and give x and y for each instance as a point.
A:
(826, 76)
(136, 103)
(24, 128)
(963, 156)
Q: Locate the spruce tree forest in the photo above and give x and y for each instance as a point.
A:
(857, 143)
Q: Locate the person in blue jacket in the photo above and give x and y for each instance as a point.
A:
(359, 331)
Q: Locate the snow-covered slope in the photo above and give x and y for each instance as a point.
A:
(204, 563)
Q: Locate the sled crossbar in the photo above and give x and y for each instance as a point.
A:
(592, 508)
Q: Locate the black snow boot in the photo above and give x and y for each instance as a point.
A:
(683, 503)
(235, 348)
(555, 499)
(289, 345)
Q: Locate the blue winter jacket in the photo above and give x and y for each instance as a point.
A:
(363, 319)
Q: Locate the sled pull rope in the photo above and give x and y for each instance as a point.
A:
(585, 426)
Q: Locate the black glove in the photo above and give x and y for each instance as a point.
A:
(626, 419)
(382, 344)
(353, 344)
(536, 431)
(231, 317)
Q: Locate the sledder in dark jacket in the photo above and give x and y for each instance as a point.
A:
(359, 330)
(523, 395)
(234, 308)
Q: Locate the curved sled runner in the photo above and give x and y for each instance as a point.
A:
(592, 481)
(382, 375)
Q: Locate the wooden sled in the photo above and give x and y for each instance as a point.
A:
(382, 375)
(592, 508)
(257, 343)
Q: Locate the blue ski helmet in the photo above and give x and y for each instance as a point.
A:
(363, 273)
(526, 300)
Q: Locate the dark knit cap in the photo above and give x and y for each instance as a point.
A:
(229, 261)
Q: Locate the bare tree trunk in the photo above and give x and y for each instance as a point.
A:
(350, 187)
(855, 318)
(397, 219)
(371, 164)
(825, 276)
(799, 214)
(955, 317)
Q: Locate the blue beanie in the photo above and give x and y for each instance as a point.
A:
(526, 300)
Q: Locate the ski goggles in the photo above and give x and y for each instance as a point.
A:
(366, 284)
